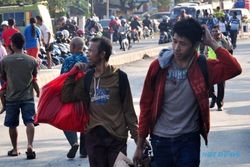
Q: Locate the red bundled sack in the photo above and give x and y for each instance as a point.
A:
(66, 116)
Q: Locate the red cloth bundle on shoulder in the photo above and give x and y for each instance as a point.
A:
(66, 116)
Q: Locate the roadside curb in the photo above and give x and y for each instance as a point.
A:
(134, 56)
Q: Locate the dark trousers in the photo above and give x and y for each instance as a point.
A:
(120, 40)
(177, 152)
(102, 148)
(233, 36)
(220, 94)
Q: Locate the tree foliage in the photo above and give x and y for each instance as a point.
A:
(129, 5)
(163, 2)
(56, 7)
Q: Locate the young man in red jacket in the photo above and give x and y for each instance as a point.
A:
(174, 103)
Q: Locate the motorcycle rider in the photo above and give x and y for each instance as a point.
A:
(164, 27)
(92, 26)
(147, 23)
(124, 28)
(183, 15)
(113, 28)
(136, 25)
(68, 25)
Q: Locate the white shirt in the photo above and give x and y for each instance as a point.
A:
(45, 32)
(2, 51)
(222, 27)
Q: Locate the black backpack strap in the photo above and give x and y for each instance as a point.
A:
(202, 61)
(123, 84)
(87, 82)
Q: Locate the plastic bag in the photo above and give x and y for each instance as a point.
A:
(51, 110)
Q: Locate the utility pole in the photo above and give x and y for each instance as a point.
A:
(92, 7)
(107, 8)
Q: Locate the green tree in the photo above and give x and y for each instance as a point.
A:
(163, 2)
(129, 5)
(61, 7)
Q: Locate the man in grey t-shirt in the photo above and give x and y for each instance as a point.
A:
(19, 72)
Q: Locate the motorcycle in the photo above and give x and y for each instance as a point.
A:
(165, 37)
(147, 32)
(124, 41)
(134, 35)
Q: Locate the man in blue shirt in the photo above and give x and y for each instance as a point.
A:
(235, 24)
(78, 55)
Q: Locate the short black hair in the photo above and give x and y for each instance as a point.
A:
(11, 22)
(216, 26)
(18, 40)
(190, 29)
(104, 45)
(39, 18)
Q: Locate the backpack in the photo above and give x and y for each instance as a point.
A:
(123, 83)
(234, 24)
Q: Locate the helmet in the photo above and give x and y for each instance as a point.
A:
(165, 19)
(65, 34)
(112, 17)
(147, 15)
(123, 20)
(59, 35)
(136, 17)
(80, 32)
(4, 23)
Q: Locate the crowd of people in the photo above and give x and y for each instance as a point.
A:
(173, 123)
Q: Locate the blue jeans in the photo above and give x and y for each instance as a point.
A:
(182, 151)
(72, 139)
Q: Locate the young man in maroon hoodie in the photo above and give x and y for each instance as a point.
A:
(174, 103)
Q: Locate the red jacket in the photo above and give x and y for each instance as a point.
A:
(221, 69)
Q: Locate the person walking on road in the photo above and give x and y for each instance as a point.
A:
(106, 92)
(46, 39)
(33, 38)
(78, 55)
(224, 42)
(235, 25)
(7, 33)
(19, 71)
(175, 103)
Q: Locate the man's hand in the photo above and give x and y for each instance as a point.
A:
(81, 66)
(141, 145)
(138, 156)
(207, 39)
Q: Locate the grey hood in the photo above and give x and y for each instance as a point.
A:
(165, 57)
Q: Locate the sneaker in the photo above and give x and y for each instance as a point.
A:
(220, 109)
(72, 152)
(212, 104)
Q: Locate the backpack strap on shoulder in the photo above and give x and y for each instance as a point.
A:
(87, 82)
(123, 84)
(202, 61)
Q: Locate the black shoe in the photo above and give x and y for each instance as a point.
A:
(72, 151)
(220, 109)
(83, 155)
(212, 104)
